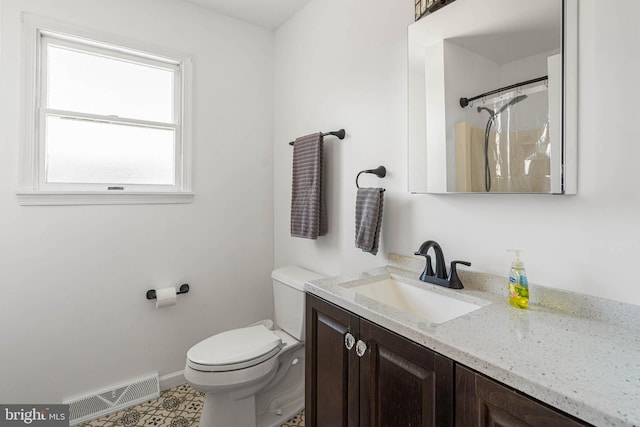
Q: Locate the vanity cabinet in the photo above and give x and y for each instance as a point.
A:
(481, 401)
(360, 374)
(331, 371)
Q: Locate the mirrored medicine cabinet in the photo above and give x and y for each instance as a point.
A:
(493, 98)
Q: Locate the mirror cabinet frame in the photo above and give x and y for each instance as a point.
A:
(423, 177)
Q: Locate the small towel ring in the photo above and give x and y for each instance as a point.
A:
(380, 172)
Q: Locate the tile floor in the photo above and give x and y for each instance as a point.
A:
(177, 407)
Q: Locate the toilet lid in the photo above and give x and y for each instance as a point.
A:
(234, 346)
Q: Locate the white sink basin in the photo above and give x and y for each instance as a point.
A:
(431, 306)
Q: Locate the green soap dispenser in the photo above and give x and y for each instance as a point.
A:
(518, 284)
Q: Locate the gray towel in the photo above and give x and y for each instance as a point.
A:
(369, 203)
(308, 211)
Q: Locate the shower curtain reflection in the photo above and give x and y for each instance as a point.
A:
(503, 145)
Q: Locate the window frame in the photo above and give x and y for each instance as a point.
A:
(38, 33)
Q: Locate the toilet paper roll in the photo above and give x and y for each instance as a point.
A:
(166, 297)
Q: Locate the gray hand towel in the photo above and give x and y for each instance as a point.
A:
(369, 203)
(308, 211)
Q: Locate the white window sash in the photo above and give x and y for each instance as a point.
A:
(40, 32)
(108, 50)
(76, 115)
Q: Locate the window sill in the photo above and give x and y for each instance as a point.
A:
(55, 198)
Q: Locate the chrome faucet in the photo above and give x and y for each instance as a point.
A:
(439, 277)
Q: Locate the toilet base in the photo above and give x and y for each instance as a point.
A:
(224, 411)
(284, 414)
(283, 398)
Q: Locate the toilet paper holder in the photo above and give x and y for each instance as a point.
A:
(151, 293)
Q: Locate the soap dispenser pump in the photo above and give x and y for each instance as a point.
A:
(518, 283)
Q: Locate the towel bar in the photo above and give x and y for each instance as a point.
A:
(339, 133)
(380, 172)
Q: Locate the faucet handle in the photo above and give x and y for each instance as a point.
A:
(428, 269)
(454, 280)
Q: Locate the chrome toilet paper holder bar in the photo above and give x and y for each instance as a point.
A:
(151, 293)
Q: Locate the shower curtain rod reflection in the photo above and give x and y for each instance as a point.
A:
(465, 101)
(509, 94)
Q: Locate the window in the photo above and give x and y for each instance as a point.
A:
(105, 120)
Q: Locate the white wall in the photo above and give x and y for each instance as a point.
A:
(343, 64)
(73, 313)
(531, 67)
(467, 74)
(435, 97)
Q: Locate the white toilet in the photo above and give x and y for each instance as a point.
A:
(254, 376)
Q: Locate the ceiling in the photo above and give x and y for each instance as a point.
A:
(269, 14)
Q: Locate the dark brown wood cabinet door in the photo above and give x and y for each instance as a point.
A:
(481, 402)
(331, 371)
(403, 384)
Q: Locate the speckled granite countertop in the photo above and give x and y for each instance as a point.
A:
(577, 353)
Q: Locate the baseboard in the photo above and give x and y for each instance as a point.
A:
(172, 380)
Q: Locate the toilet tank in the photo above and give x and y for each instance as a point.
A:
(288, 296)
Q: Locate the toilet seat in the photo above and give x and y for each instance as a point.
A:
(234, 349)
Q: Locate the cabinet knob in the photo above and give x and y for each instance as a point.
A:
(349, 341)
(361, 348)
